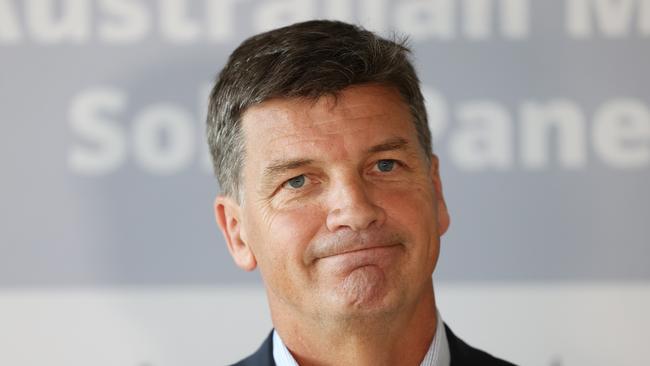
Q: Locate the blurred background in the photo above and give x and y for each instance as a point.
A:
(109, 254)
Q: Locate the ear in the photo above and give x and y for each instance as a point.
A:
(227, 212)
(443, 214)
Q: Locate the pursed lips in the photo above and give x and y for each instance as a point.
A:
(351, 258)
(344, 246)
(357, 249)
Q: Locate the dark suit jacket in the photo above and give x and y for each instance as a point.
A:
(461, 354)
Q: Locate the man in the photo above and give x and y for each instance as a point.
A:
(321, 145)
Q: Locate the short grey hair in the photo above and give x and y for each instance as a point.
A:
(304, 60)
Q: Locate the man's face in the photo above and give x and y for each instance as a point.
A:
(341, 210)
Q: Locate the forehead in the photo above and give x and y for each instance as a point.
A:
(329, 127)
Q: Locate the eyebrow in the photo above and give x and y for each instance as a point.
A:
(278, 167)
(395, 143)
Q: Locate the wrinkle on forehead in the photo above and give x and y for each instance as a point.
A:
(317, 113)
(286, 127)
(325, 131)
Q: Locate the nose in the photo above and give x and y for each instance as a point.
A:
(351, 207)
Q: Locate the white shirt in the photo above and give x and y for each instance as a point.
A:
(437, 355)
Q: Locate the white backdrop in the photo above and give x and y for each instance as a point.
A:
(531, 324)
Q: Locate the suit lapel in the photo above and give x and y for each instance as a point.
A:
(262, 357)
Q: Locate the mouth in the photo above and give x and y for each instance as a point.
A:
(348, 247)
(360, 250)
(345, 261)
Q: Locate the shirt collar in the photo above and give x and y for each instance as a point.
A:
(437, 355)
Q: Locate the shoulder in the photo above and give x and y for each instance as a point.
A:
(262, 357)
(463, 354)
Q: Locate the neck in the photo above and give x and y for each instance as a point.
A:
(400, 337)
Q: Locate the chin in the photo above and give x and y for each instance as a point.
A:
(366, 291)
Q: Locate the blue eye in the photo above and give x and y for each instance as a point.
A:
(296, 182)
(386, 165)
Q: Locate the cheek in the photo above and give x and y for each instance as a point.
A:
(411, 206)
(288, 233)
(412, 211)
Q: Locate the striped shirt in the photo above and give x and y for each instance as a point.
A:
(437, 355)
